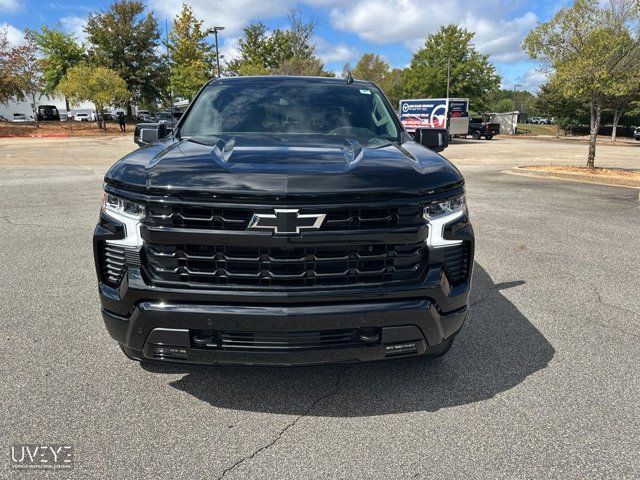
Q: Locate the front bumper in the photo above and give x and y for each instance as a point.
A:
(167, 332)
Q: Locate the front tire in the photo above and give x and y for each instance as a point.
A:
(476, 135)
(488, 137)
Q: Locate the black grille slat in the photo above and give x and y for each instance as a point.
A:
(288, 340)
(210, 218)
(114, 263)
(457, 263)
(314, 266)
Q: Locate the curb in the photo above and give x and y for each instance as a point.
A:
(573, 177)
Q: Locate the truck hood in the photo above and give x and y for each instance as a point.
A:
(284, 166)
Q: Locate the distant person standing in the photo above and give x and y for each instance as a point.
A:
(122, 121)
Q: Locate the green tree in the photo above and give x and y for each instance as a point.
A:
(255, 51)
(9, 80)
(568, 112)
(471, 74)
(310, 67)
(372, 67)
(503, 100)
(289, 51)
(392, 85)
(620, 104)
(98, 85)
(375, 68)
(20, 69)
(125, 38)
(60, 51)
(591, 53)
(191, 57)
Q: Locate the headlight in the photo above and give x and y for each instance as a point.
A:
(127, 212)
(438, 215)
(117, 206)
(447, 207)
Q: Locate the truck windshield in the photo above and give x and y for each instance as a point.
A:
(291, 107)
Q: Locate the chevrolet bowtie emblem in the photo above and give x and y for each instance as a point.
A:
(286, 221)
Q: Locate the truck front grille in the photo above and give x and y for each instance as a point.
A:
(213, 265)
(208, 218)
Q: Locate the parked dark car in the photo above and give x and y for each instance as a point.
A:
(305, 227)
(165, 117)
(636, 133)
(48, 112)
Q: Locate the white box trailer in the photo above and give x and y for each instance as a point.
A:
(452, 114)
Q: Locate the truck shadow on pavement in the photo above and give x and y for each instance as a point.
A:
(497, 349)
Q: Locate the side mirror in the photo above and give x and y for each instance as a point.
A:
(148, 135)
(437, 139)
(152, 133)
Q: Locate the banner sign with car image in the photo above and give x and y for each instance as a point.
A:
(432, 113)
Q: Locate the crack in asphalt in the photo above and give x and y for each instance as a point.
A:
(601, 301)
(334, 391)
(25, 224)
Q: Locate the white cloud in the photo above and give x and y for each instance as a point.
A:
(532, 79)
(10, 5)
(14, 35)
(230, 49)
(410, 21)
(75, 26)
(335, 52)
(501, 39)
(232, 14)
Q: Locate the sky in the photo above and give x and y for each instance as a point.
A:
(346, 29)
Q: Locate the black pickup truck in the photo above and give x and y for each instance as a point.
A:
(284, 220)
(479, 128)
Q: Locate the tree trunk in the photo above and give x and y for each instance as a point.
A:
(34, 109)
(616, 119)
(595, 110)
(66, 103)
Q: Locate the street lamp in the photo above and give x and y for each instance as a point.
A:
(515, 100)
(515, 94)
(215, 31)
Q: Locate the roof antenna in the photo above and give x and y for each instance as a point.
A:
(349, 77)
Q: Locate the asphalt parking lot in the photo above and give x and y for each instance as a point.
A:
(543, 381)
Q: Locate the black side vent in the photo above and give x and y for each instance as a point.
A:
(456, 263)
(114, 264)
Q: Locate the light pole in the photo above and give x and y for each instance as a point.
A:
(515, 100)
(215, 31)
(448, 75)
(515, 95)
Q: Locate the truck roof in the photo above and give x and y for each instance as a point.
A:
(281, 78)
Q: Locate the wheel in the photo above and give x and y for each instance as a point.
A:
(476, 135)
(135, 355)
(488, 136)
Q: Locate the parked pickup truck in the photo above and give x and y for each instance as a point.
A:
(305, 227)
(478, 128)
